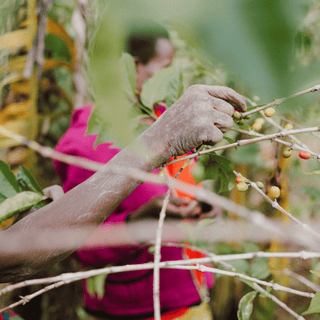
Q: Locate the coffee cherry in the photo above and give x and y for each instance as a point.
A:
(269, 112)
(287, 153)
(240, 179)
(304, 154)
(260, 185)
(241, 122)
(257, 126)
(248, 117)
(274, 192)
(237, 115)
(242, 186)
(288, 126)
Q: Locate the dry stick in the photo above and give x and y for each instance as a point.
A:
(244, 142)
(302, 279)
(199, 267)
(227, 266)
(304, 255)
(157, 257)
(276, 205)
(281, 100)
(278, 302)
(50, 153)
(273, 123)
(298, 125)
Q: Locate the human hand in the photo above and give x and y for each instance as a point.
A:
(54, 192)
(201, 116)
(177, 208)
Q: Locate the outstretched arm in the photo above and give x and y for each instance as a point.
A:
(199, 116)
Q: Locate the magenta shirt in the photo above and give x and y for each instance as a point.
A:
(126, 293)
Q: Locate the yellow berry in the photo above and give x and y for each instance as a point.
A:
(288, 126)
(274, 192)
(242, 186)
(257, 126)
(261, 120)
(269, 112)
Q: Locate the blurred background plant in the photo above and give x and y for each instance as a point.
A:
(51, 58)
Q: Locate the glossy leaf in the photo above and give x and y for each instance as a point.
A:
(156, 88)
(27, 181)
(18, 203)
(174, 89)
(9, 186)
(246, 306)
(129, 72)
(2, 198)
(314, 305)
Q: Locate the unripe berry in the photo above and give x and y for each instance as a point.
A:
(237, 115)
(152, 249)
(242, 186)
(260, 185)
(240, 179)
(248, 117)
(287, 153)
(269, 112)
(274, 192)
(256, 98)
(261, 120)
(241, 122)
(288, 126)
(304, 154)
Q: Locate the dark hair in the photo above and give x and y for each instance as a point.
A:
(141, 41)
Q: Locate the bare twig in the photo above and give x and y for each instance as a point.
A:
(276, 205)
(302, 279)
(281, 100)
(244, 142)
(166, 264)
(157, 257)
(278, 302)
(199, 267)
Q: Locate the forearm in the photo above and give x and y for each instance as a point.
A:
(84, 207)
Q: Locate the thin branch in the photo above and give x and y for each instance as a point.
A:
(302, 279)
(157, 257)
(281, 100)
(276, 205)
(199, 267)
(278, 302)
(244, 142)
(304, 255)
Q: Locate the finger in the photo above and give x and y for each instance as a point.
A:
(211, 135)
(222, 106)
(229, 95)
(222, 121)
(54, 192)
(179, 201)
(192, 209)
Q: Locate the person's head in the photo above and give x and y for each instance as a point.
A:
(152, 51)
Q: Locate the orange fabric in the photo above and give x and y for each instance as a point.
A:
(185, 176)
(173, 314)
(191, 254)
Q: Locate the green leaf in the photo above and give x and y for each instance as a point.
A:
(128, 68)
(18, 203)
(246, 306)
(260, 268)
(2, 198)
(58, 49)
(314, 305)
(99, 285)
(224, 163)
(27, 180)
(156, 89)
(9, 185)
(95, 285)
(230, 140)
(174, 89)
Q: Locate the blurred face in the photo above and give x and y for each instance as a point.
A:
(164, 52)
